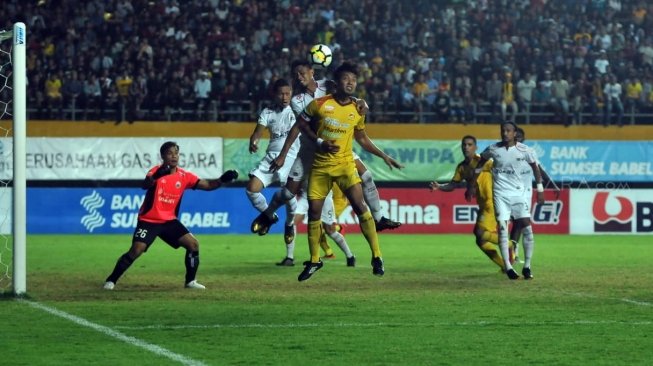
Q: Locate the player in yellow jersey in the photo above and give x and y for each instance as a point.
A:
(485, 229)
(333, 122)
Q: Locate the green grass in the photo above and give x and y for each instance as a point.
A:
(441, 302)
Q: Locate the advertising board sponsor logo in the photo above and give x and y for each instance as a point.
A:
(93, 219)
(618, 213)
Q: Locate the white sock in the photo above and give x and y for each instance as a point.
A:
(529, 245)
(503, 246)
(258, 200)
(291, 207)
(371, 195)
(290, 250)
(279, 198)
(342, 243)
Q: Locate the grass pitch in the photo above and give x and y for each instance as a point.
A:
(441, 302)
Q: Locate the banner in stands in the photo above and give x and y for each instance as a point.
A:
(596, 161)
(617, 211)
(104, 158)
(227, 210)
(423, 160)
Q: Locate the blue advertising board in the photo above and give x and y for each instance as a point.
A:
(115, 210)
(593, 161)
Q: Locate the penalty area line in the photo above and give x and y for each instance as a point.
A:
(388, 325)
(158, 350)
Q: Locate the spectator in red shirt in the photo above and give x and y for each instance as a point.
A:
(157, 217)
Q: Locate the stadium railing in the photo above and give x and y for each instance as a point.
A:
(246, 110)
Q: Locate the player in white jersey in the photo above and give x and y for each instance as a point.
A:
(278, 119)
(516, 229)
(508, 189)
(299, 172)
(299, 169)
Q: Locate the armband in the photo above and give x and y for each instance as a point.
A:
(477, 170)
(540, 187)
(319, 141)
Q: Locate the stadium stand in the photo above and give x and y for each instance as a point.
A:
(476, 61)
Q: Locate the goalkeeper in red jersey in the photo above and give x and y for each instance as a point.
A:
(157, 217)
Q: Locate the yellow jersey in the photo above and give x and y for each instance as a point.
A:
(334, 122)
(465, 171)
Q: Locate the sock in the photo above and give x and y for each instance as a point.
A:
(324, 245)
(290, 250)
(342, 243)
(503, 245)
(291, 207)
(529, 245)
(121, 266)
(192, 261)
(516, 246)
(368, 228)
(314, 233)
(258, 200)
(491, 251)
(279, 198)
(371, 195)
(490, 236)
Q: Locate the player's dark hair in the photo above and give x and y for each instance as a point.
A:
(520, 131)
(278, 84)
(167, 145)
(509, 123)
(345, 67)
(470, 137)
(300, 62)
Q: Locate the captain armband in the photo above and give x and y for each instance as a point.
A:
(540, 187)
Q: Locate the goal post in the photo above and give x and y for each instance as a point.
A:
(13, 100)
(20, 131)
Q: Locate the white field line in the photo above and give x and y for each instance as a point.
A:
(621, 299)
(158, 350)
(374, 325)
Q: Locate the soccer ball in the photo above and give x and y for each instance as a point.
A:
(320, 56)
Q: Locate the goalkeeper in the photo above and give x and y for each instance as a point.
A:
(157, 217)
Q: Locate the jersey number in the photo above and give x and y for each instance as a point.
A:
(140, 233)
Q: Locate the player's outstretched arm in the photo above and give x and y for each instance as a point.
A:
(369, 146)
(212, 184)
(278, 162)
(447, 187)
(256, 136)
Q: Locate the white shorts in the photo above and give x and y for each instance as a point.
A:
(516, 206)
(328, 212)
(301, 166)
(265, 175)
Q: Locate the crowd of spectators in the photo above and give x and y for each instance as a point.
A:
(419, 60)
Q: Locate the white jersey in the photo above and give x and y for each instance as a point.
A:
(279, 124)
(299, 103)
(510, 165)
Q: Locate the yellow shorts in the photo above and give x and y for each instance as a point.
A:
(486, 220)
(321, 179)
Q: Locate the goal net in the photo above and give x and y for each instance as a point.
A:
(13, 110)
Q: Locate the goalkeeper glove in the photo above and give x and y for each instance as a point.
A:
(162, 171)
(229, 176)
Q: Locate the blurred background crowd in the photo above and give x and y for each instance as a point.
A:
(465, 61)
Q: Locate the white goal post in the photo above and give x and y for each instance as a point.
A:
(16, 40)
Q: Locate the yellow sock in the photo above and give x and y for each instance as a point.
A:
(492, 251)
(491, 237)
(368, 227)
(314, 233)
(324, 245)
